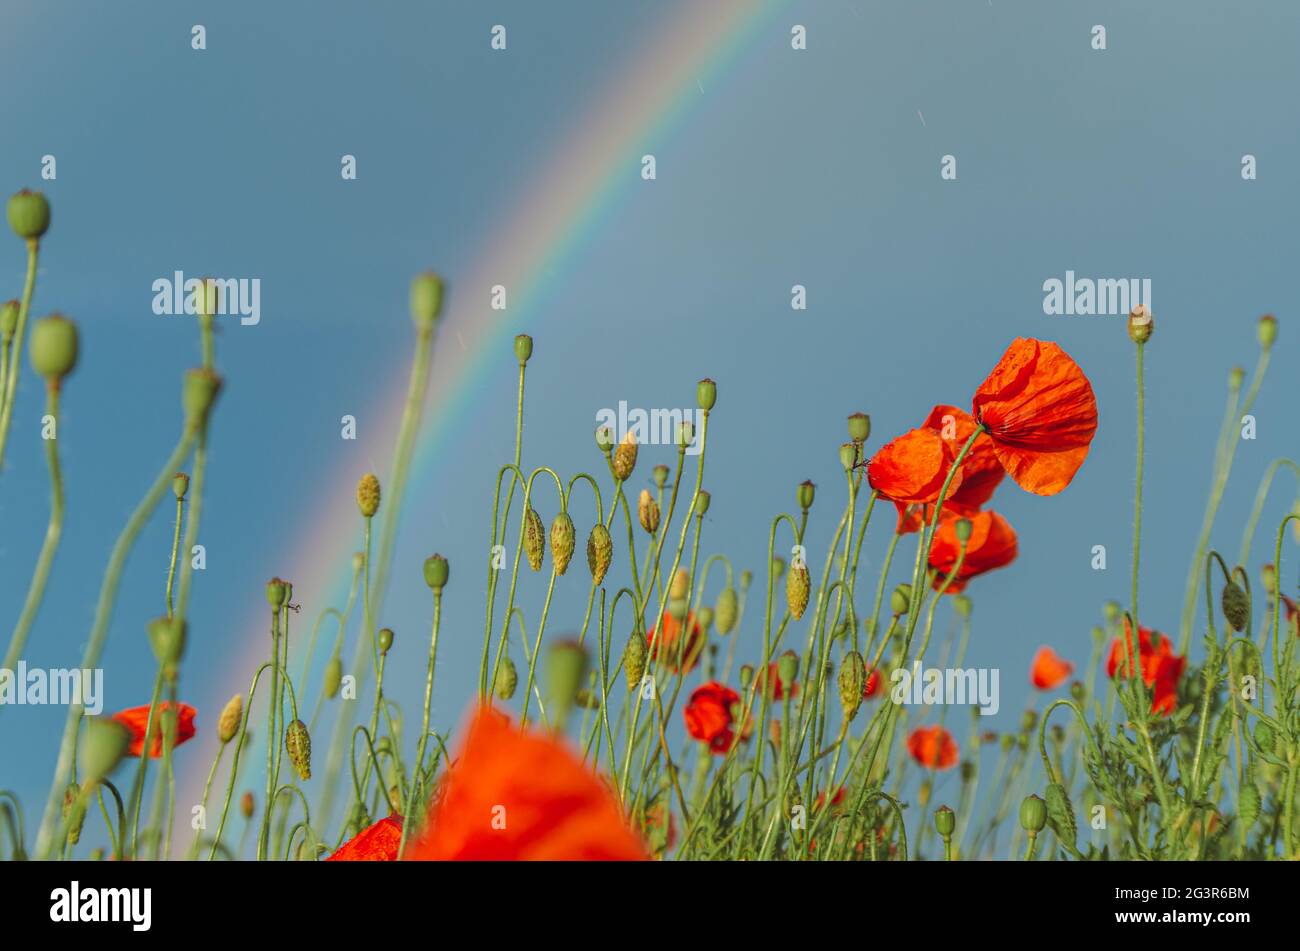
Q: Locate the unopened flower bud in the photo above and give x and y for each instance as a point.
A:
(333, 676)
(426, 300)
(232, 715)
(563, 541)
(797, 588)
(852, 683)
(9, 319)
(1236, 606)
(787, 668)
(368, 495)
(534, 538)
(167, 638)
(1267, 331)
(297, 743)
(436, 572)
(706, 393)
(1033, 814)
(900, 600)
(1078, 692)
(600, 551)
(1028, 720)
(54, 347)
(507, 679)
(726, 610)
(29, 214)
(1140, 324)
(681, 586)
(647, 511)
(625, 458)
(746, 675)
(566, 670)
(634, 659)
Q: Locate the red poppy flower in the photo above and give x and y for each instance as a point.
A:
(1040, 412)
(872, 686)
(992, 544)
(709, 717)
(912, 469)
(378, 843)
(136, 720)
(518, 796)
(980, 470)
(1161, 669)
(673, 650)
(933, 747)
(1049, 671)
(778, 687)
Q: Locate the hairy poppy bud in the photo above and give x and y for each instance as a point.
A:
(848, 455)
(232, 715)
(507, 679)
(103, 745)
(385, 638)
(534, 538)
(523, 348)
(8, 319)
(436, 572)
(963, 529)
(246, 805)
(945, 821)
(702, 501)
(426, 300)
(180, 485)
(29, 214)
(566, 670)
(276, 593)
(1061, 814)
(859, 427)
(1236, 606)
(1140, 324)
(600, 551)
(706, 393)
(1033, 814)
(797, 587)
(804, 495)
(368, 495)
(198, 395)
(625, 458)
(634, 658)
(681, 586)
(852, 683)
(167, 638)
(54, 347)
(604, 439)
(333, 676)
(726, 610)
(1267, 331)
(297, 743)
(647, 511)
(562, 542)
(900, 600)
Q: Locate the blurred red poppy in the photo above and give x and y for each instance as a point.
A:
(933, 747)
(992, 544)
(136, 720)
(1161, 669)
(378, 843)
(1049, 671)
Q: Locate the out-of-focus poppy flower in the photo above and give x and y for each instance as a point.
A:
(1040, 412)
(980, 470)
(661, 828)
(518, 796)
(710, 715)
(837, 800)
(136, 720)
(872, 685)
(1291, 613)
(665, 642)
(933, 747)
(378, 843)
(1161, 668)
(778, 687)
(992, 544)
(912, 468)
(1049, 670)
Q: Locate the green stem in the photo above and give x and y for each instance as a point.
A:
(14, 356)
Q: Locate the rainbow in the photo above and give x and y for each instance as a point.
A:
(526, 251)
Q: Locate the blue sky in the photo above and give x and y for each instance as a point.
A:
(818, 167)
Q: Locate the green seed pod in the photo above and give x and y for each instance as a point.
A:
(368, 495)
(54, 347)
(659, 474)
(167, 638)
(180, 485)
(634, 659)
(562, 542)
(852, 683)
(523, 348)
(276, 594)
(534, 538)
(797, 587)
(9, 319)
(74, 812)
(1061, 814)
(647, 511)
(29, 215)
(963, 529)
(297, 743)
(246, 805)
(103, 745)
(605, 439)
(848, 455)
(232, 715)
(426, 300)
(507, 679)
(726, 610)
(859, 427)
(566, 671)
(702, 501)
(1033, 814)
(625, 458)
(805, 494)
(679, 608)
(600, 551)
(706, 393)
(198, 395)
(1236, 377)
(1249, 805)
(1141, 325)
(945, 821)
(333, 676)
(1112, 612)
(436, 572)
(385, 637)
(1236, 606)
(900, 600)
(1267, 331)
(685, 434)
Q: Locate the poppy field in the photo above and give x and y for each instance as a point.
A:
(709, 704)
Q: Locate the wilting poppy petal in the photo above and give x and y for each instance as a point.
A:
(933, 747)
(992, 544)
(1049, 671)
(709, 715)
(518, 796)
(136, 720)
(981, 470)
(378, 843)
(668, 647)
(912, 468)
(1040, 412)
(1161, 668)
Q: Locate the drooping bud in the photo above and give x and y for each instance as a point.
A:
(103, 745)
(900, 600)
(534, 538)
(625, 458)
(1140, 324)
(681, 586)
(1267, 331)
(333, 676)
(54, 347)
(852, 683)
(726, 610)
(180, 485)
(1078, 692)
(804, 495)
(436, 572)
(232, 715)
(507, 679)
(29, 214)
(600, 552)
(198, 395)
(1236, 606)
(563, 541)
(368, 495)
(634, 659)
(706, 393)
(945, 821)
(797, 588)
(426, 300)
(859, 427)
(246, 805)
(523, 348)
(647, 511)
(297, 743)
(1033, 814)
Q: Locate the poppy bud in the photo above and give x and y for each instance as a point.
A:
(333, 676)
(746, 676)
(426, 300)
(507, 679)
(1268, 575)
(625, 458)
(726, 610)
(275, 593)
(180, 485)
(1140, 324)
(702, 501)
(1061, 814)
(8, 319)
(1028, 720)
(685, 434)
(198, 394)
(562, 542)
(297, 743)
(852, 683)
(74, 811)
(523, 348)
(848, 455)
(962, 605)
(706, 393)
(659, 474)
(797, 587)
(1033, 814)
(246, 805)
(787, 668)
(681, 586)
(647, 511)
(1236, 606)
(804, 495)
(29, 214)
(167, 638)
(900, 601)
(54, 347)
(963, 529)
(604, 439)
(385, 637)
(534, 538)
(945, 821)
(859, 427)
(436, 572)
(102, 747)
(634, 658)
(1077, 692)
(1267, 331)
(232, 715)
(566, 670)
(368, 495)
(600, 551)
